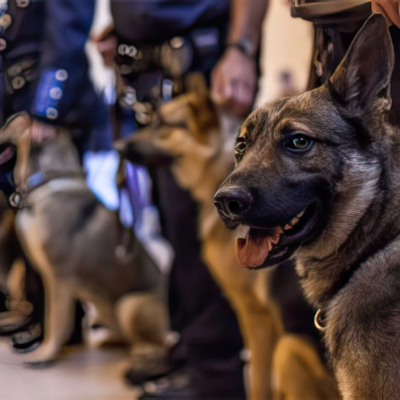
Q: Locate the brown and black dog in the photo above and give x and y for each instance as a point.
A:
(82, 252)
(317, 179)
(187, 134)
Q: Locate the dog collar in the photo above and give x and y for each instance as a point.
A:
(41, 178)
(18, 199)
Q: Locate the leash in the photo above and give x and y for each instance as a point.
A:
(127, 238)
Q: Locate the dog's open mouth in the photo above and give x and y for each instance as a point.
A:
(258, 247)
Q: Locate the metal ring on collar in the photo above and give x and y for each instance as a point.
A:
(319, 321)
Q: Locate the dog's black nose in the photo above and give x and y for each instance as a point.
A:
(233, 201)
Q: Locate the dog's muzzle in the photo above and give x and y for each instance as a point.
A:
(233, 202)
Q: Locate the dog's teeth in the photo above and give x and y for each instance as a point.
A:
(287, 227)
(275, 239)
(269, 244)
(242, 231)
(301, 214)
(278, 230)
(294, 221)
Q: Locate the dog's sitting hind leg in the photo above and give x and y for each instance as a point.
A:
(59, 302)
(143, 322)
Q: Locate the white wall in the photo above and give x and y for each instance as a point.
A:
(287, 46)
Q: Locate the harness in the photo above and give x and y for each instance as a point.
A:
(66, 181)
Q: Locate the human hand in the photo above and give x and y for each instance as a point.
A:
(389, 8)
(233, 83)
(41, 132)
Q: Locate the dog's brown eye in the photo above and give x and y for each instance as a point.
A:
(299, 143)
(240, 148)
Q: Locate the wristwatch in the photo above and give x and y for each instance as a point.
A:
(245, 46)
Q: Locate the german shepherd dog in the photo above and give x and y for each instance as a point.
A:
(187, 134)
(317, 179)
(81, 252)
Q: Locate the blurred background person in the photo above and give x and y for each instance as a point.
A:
(45, 73)
(157, 45)
(45, 69)
(335, 25)
(389, 8)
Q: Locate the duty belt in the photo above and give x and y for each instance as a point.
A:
(174, 57)
(331, 11)
(21, 71)
(154, 74)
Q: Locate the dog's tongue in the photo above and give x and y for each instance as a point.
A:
(252, 254)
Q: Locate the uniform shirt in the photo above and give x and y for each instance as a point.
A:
(154, 21)
(43, 67)
(43, 59)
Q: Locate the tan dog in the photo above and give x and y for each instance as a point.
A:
(82, 252)
(187, 131)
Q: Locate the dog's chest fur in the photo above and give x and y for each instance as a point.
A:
(363, 321)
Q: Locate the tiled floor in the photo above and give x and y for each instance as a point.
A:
(79, 374)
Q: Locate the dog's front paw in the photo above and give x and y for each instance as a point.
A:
(12, 322)
(41, 355)
(29, 340)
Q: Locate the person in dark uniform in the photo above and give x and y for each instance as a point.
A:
(44, 71)
(336, 23)
(389, 8)
(158, 44)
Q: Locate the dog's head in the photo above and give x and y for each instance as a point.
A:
(58, 154)
(184, 134)
(308, 166)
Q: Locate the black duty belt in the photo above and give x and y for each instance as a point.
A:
(20, 72)
(331, 11)
(174, 57)
(154, 74)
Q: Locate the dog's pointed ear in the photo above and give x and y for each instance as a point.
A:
(196, 83)
(204, 113)
(366, 69)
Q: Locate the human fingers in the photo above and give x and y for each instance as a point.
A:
(390, 11)
(221, 90)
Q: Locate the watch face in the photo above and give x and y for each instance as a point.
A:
(248, 46)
